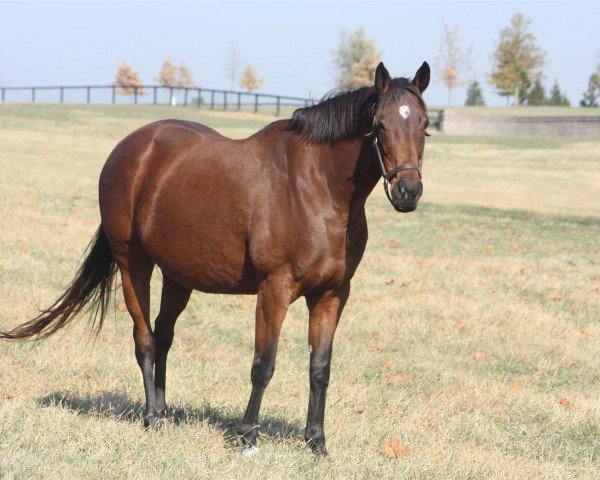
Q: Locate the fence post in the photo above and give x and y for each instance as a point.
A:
(3, 94)
(33, 95)
(199, 98)
(153, 95)
(88, 94)
(277, 111)
(440, 125)
(239, 103)
(185, 96)
(135, 94)
(62, 94)
(114, 94)
(256, 103)
(212, 99)
(224, 100)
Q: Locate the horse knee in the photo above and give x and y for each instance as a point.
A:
(319, 374)
(144, 346)
(262, 373)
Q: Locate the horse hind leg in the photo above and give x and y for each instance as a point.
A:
(136, 272)
(173, 301)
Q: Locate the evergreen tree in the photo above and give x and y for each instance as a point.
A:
(592, 94)
(474, 95)
(517, 60)
(537, 94)
(557, 98)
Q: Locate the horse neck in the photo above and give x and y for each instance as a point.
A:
(351, 172)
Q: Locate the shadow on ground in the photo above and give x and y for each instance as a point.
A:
(120, 407)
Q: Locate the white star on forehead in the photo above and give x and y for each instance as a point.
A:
(404, 111)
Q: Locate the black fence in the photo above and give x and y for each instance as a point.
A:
(436, 119)
(154, 95)
(232, 100)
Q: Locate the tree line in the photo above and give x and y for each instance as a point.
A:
(516, 66)
(175, 76)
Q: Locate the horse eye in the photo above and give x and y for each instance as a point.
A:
(426, 124)
(381, 126)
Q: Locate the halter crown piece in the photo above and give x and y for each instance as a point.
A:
(387, 176)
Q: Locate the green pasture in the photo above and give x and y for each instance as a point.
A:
(472, 333)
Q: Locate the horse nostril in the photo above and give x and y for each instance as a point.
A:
(405, 191)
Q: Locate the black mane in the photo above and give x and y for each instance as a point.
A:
(345, 115)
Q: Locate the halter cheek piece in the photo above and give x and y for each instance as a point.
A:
(387, 176)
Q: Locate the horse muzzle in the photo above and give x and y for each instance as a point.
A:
(406, 194)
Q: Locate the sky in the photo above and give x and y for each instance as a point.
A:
(289, 43)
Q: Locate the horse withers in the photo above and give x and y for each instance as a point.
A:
(280, 214)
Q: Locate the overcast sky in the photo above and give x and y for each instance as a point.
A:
(289, 43)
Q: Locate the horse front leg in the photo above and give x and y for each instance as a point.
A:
(325, 311)
(274, 297)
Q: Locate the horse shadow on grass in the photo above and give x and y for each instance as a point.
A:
(120, 407)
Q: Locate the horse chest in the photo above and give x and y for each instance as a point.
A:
(334, 255)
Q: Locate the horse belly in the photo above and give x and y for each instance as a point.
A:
(197, 235)
(201, 256)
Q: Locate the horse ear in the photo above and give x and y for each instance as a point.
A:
(382, 78)
(421, 79)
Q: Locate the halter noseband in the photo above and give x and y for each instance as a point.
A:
(387, 176)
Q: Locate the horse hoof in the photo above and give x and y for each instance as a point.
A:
(321, 452)
(162, 413)
(318, 449)
(153, 422)
(250, 451)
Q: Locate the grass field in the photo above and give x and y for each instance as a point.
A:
(523, 111)
(472, 334)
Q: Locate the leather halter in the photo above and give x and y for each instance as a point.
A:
(387, 176)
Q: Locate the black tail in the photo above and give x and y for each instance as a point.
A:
(92, 286)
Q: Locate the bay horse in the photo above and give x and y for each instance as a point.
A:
(280, 214)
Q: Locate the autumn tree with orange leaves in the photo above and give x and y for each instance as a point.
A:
(127, 79)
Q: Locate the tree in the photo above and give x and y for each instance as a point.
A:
(474, 95)
(174, 77)
(184, 76)
(453, 61)
(557, 98)
(127, 79)
(168, 73)
(592, 94)
(517, 60)
(250, 79)
(363, 72)
(233, 61)
(354, 59)
(537, 94)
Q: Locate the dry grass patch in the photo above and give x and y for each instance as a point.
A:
(471, 336)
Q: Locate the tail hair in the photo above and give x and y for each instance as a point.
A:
(91, 288)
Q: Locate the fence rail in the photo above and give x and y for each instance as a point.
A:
(153, 94)
(162, 95)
